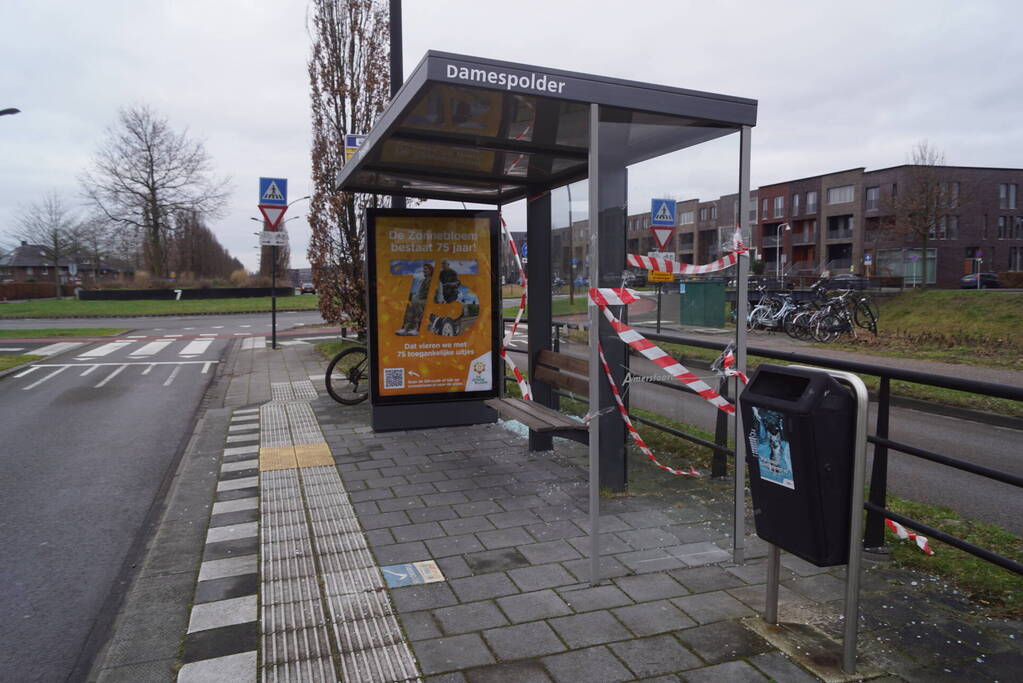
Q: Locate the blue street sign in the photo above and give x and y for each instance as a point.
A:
(522, 250)
(575, 262)
(273, 191)
(662, 212)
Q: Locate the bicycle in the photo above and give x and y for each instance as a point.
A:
(347, 377)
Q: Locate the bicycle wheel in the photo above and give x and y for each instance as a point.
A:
(865, 316)
(828, 328)
(760, 318)
(795, 323)
(348, 376)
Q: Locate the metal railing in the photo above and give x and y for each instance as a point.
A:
(876, 503)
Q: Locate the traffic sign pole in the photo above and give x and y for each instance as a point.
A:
(273, 298)
(273, 204)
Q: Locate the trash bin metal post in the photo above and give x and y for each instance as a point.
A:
(594, 341)
(773, 579)
(854, 565)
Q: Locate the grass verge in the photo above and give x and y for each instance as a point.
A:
(998, 588)
(8, 362)
(57, 332)
(330, 349)
(558, 307)
(73, 307)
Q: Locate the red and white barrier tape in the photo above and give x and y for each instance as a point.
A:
(524, 388)
(724, 365)
(691, 472)
(605, 297)
(668, 266)
(905, 534)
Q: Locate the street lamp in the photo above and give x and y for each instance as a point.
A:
(786, 228)
(9, 110)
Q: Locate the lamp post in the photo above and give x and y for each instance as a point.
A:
(784, 227)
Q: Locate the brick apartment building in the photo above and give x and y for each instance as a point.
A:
(839, 222)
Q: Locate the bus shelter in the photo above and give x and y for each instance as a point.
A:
(481, 131)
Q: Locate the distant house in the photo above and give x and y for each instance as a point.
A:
(28, 263)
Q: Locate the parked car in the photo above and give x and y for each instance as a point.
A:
(635, 279)
(987, 280)
(848, 281)
(308, 288)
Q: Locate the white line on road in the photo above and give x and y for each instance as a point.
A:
(218, 327)
(105, 349)
(253, 343)
(40, 381)
(174, 373)
(244, 326)
(149, 369)
(196, 348)
(152, 348)
(8, 349)
(31, 368)
(206, 366)
(174, 335)
(112, 375)
(91, 368)
(54, 349)
(137, 336)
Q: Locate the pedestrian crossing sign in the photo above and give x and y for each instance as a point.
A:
(273, 191)
(662, 212)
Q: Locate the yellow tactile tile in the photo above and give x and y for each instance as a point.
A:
(313, 455)
(277, 458)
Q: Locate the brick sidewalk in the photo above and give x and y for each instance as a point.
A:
(508, 530)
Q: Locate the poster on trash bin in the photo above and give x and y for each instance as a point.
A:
(768, 443)
(433, 304)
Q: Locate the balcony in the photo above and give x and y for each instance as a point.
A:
(842, 234)
(808, 237)
(770, 240)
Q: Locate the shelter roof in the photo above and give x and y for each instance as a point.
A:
(485, 131)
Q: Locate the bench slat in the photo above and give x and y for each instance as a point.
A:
(536, 417)
(577, 385)
(561, 361)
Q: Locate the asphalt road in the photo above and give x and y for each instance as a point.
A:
(89, 436)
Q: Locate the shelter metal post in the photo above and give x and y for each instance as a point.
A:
(741, 306)
(538, 270)
(594, 341)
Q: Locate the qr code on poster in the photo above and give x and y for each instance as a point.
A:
(394, 378)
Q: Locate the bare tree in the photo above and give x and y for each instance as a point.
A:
(923, 199)
(349, 78)
(91, 243)
(48, 224)
(145, 171)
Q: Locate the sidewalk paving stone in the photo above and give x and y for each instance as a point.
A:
(656, 655)
(651, 618)
(531, 606)
(590, 664)
(589, 628)
(533, 639)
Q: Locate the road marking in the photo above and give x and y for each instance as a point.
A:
(196, 347)
(174, 335)
(296, 342)
(218, 327)
(239, 334)
(105, 349)
(40, 381)
(54, 349)
(31, 368)
(91, 368)
(244, 326)
(252, 343)
(174, 373)
(149, 369)
(206, 366)
(144, 362)
(112, 375)
(152, 348)
(136, 336)
(11, 348)
(188, 328)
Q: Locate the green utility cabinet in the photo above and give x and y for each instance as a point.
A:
(703, 304)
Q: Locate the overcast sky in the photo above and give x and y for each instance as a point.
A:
(839, 85)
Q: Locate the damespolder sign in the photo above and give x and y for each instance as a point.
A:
(433, 307)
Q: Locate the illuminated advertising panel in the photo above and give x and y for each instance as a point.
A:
(434, 305)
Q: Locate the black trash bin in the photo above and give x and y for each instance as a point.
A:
(800, 445)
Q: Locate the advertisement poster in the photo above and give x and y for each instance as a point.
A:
(768, 443)
(432, 304)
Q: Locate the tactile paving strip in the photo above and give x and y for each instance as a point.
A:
(322, 593)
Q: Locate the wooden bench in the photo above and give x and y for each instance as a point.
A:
(567, 373)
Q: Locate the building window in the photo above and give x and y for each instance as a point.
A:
(949, 195)
(1016, 259)
(714, 212)
(1007, 196)
(753, 213)
(686, 218)
(840, 195)
(1017, 232)
(873, 198)
(765, 208)
(1004, 227)
(795, 204)
(840, 227)
(779, 207)
(811, 202)
(686, 241)
(703, 214)
(946, 228)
